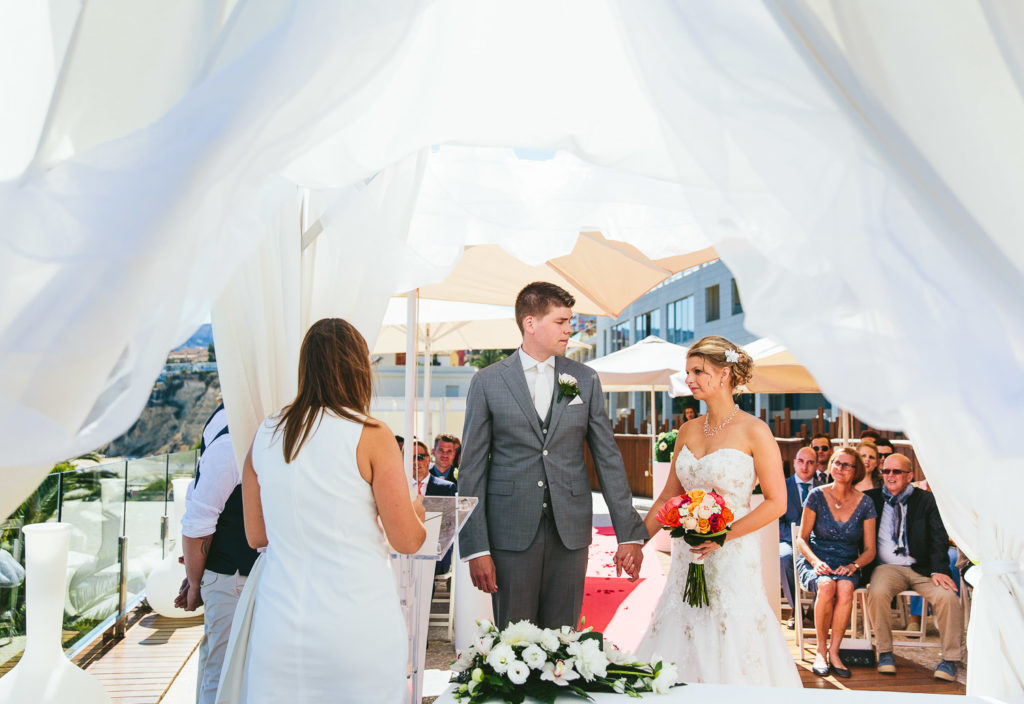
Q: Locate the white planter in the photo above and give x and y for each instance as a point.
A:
(164, 582)
(44, 675)
(662, 540)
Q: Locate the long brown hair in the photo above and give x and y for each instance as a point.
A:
(334, 375)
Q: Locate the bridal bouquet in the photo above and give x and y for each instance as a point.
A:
(664, 444)
(697, 516)
(525, 660)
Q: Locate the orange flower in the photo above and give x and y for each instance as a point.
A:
(727, 516)
(703, 525)
(669, 516)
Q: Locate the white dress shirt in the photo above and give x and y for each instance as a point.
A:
(533, 369)
(218, 477)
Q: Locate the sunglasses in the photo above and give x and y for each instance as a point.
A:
(895, 471)
(843, 465)
(421, 457)
(819, 448)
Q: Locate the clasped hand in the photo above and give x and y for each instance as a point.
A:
(628, 559)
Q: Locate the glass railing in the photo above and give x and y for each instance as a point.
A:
(102, 503)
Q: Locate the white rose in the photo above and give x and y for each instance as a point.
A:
(590, 662)
(663, 446)
(534, 656)
(518, 672)
(500, 657)
(549, 640)
(703, 512)
(566, 379)
(689, 523)
(708, 501)
(665, 678)
(520, 633)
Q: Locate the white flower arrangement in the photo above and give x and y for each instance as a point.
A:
(525, 660)
(732, 356)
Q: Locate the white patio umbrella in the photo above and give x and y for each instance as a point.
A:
(646, 366)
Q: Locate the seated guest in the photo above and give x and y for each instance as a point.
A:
(868, 452)
(689, 413)
(798, 486)
(837, 539)
(871, 435)
(822, 445)
(429, 485)
(885, 449)
(912, 554)
(444, 456)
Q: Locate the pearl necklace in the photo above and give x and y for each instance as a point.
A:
(710, 432)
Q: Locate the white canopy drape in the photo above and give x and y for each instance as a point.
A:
(856, 165)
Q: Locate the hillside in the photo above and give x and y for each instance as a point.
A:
(172, 423)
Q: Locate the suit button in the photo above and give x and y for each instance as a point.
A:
(545, 453)
(545, 431)
(540, 484)
(544, 505)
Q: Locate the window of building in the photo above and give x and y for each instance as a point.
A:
(451, 390)
(711, 311)
(737, 304)
(680, 321)
(648, 323)
(620, 336)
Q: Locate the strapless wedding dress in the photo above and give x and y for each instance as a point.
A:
(737, 639)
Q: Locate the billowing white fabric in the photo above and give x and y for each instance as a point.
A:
(857, 165)
(874, 229)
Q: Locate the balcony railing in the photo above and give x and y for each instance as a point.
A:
(123, 524)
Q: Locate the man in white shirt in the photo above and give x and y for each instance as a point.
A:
(217, 555)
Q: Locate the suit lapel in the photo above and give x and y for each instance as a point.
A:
(557, 407)
(515, 379)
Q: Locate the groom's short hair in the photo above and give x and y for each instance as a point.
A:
(538, 298)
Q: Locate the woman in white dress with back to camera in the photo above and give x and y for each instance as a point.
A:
(327, 624)
(736, 639)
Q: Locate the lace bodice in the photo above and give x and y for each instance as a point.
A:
(728, 471)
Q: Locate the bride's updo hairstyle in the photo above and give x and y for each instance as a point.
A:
(334, 375)
(719, 351)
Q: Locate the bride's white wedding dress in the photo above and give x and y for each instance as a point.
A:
(737, 639)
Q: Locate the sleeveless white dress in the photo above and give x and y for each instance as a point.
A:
(327, 624)
(736, 639)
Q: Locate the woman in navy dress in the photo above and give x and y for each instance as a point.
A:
(837, 539)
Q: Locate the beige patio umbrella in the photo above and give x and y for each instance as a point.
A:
(603, 275)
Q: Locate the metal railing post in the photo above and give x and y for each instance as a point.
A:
(122, 588)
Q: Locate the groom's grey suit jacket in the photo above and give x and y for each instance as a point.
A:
(508, 460)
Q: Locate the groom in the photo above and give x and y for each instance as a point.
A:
(527, 418)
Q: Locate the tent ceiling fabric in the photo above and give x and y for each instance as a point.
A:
(856, 165)
(603, 276)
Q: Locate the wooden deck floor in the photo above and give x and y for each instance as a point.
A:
(140, 668)
(909, 677)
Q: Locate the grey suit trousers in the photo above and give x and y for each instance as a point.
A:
(545, 568)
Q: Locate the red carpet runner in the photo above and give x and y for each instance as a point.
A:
(613, 605)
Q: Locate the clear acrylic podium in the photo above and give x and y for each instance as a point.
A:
(445, 516)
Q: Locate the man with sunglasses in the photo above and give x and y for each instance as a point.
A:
(822, 446)
(429, 484)
(912, 554)
(885, 449)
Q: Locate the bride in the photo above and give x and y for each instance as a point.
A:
(736, 639)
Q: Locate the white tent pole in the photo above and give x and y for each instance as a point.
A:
(654, 431)
(411, 326)
(427, 424)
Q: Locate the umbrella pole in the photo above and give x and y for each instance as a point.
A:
(427, 418)
(654, 431)
(411, 326)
